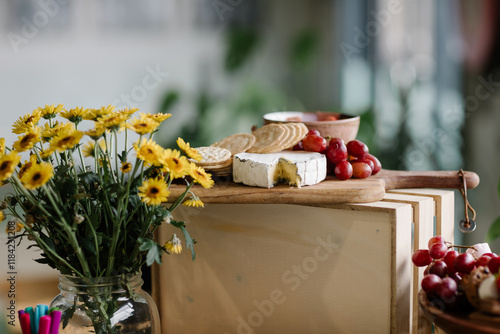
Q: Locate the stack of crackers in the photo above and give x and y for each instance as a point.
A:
(217, 158)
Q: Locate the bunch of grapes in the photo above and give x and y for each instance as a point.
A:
(345, 160)
(445, 268)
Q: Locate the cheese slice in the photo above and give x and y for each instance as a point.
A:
(297, 168)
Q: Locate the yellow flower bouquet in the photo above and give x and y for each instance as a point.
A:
(92, 206)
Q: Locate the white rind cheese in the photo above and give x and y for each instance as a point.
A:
(297, 168)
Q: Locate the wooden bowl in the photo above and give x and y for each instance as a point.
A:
(459, 323)
(345, 127)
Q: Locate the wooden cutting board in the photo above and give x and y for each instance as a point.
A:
(332, 190)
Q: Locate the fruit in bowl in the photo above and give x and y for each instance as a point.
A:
(328, 124)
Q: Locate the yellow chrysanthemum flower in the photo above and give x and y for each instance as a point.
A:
(200, 176)
(45, 153)
(28, 140)
(49, 132)
(174, 163)
(128, 111)
(194, 202)
(2, 146)
(26, 122)
(113, 121)
(189, 151)
(88, 149)
(143, 125)
(8, 163)
(50, 111)
(148, 151)
(65, 140)
(126, 167)
(2, 216)
(159, 117)
(154, 191)
(96, 132)
(74, 115)
(95, 114)
(37, 175)
(27, 164)
(174, 246)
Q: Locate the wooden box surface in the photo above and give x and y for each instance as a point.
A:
(277, 268)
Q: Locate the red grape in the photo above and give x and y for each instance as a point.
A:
(343, 170)
(456, 276)
(430, 284)
(449, 259)
(368, 162)
(314, 143)
(447, 289)
(464, 263)
(377, 166)
(361, 170)
(298, 146)
(357, 148)
(494, 265)
(313, 132)
(483, 260)
(336, 151)
(438, 251)
(438, 268)
(435, 239)
(421, 258)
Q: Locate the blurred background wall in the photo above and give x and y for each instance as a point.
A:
(422, 74)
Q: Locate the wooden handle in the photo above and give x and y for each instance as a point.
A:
(395, 179)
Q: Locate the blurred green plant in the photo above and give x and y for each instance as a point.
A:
(494, 230)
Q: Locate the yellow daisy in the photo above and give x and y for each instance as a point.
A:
(49, 132)
(65, 140)
(193, 202)
(2, 146)
(200, 176)
(27, 165)
(128, 111)
(174, 246)
(113, 121)
(37, 175)
(154, 191)
(45, 154)
(74, 115)
(148, 151)
(28, 140)
(143, 125)
(159, 117)
(2, 216)
(189, 151)
(26, 122)
(94, 114)
(174, 163)
(8, 163)
(126, 167)
(50, 111)
(96, 132)
(88, 149)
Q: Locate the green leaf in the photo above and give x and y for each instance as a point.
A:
(493, 231)
(154, 250)
(189, 241)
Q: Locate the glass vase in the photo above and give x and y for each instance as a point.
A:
(108, 305)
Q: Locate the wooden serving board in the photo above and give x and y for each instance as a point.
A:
(332, 190)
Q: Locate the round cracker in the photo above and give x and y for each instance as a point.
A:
(267, 138)
(301, 131)
(212, 155)
(237, 143)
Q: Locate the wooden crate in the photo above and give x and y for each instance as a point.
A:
(276, 268)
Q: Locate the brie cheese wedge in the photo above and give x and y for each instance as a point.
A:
(297, 168)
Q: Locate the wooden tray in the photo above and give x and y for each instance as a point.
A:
(332, 190)
(466, 323)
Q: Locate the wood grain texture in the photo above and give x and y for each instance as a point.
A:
(331, 190)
